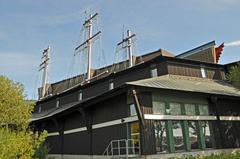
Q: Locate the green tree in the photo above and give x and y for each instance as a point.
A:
(234, 75)
(17, 141)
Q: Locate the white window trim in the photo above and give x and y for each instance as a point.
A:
(111, 85)
(80, 95)
(203, 72)
(97, 126)
(57, 103)
(177, 117)
(153, 70)
(230, 118)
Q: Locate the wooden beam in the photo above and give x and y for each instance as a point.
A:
(138, 108)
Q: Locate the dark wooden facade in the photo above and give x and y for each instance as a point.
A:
(101, 105)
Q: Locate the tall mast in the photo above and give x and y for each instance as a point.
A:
(44, 66)
(127, 43)
(87, 44)
(89, 26)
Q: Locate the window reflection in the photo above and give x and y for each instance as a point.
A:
(193, 135)
(175, 109)
(178, 135)
(203, 110)
(158, 107)
(190, 109)
(133, 110)
(207, 134)
(160, 136)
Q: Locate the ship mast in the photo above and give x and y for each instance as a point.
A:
(127, 43)
(87, 44)
(44, 66)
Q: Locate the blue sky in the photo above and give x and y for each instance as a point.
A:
(27, 27)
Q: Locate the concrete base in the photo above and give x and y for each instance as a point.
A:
(155, 156)
(192, 153)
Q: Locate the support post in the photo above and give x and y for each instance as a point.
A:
(138, 108)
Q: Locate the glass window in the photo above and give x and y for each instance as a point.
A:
(158, 107)
(203, 110)
(80, 96)
(135, 136)
(207, 134)
(190, 109)
(175, 109)
(154, 72)
(178, 135)
(39, 109)
(57, 103)
(111, 85)
(160, 136)
(132, 110)
(193, 134)
(203, 72)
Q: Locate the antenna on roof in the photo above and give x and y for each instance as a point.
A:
(44, 66)
(127, 43)
(87, 44)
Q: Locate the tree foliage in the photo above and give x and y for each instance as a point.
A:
(16, 139)
(234, 75)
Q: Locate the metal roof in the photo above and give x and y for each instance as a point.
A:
(196, 50)
(52, 112)
(189, 84)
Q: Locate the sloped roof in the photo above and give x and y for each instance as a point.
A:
(169, 82)
(190, 84)
(197, 49)
(52, 112)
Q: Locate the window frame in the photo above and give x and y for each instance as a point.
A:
(154, 72)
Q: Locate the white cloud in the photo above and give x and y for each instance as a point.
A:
(233, 43)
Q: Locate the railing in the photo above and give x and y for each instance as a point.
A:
(123, 148)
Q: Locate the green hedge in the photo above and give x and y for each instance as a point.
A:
(233, 155)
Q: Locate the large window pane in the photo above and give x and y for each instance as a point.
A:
(193, 134)
(135, 136)
(158, 107)
(207, 134)
(203, 110)
(178, 135)
(190, 109)
(154, 72)
(160, 136)
(132, 110)
(175, 109)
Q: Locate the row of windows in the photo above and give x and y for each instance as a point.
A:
(181, 135)
(80, 96)
(173, 136)
(174, 108)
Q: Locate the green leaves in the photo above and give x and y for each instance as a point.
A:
(16, 140)
(234, 75)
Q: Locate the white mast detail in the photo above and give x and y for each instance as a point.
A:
(44, 66)
(127, 43)
(87, 44)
